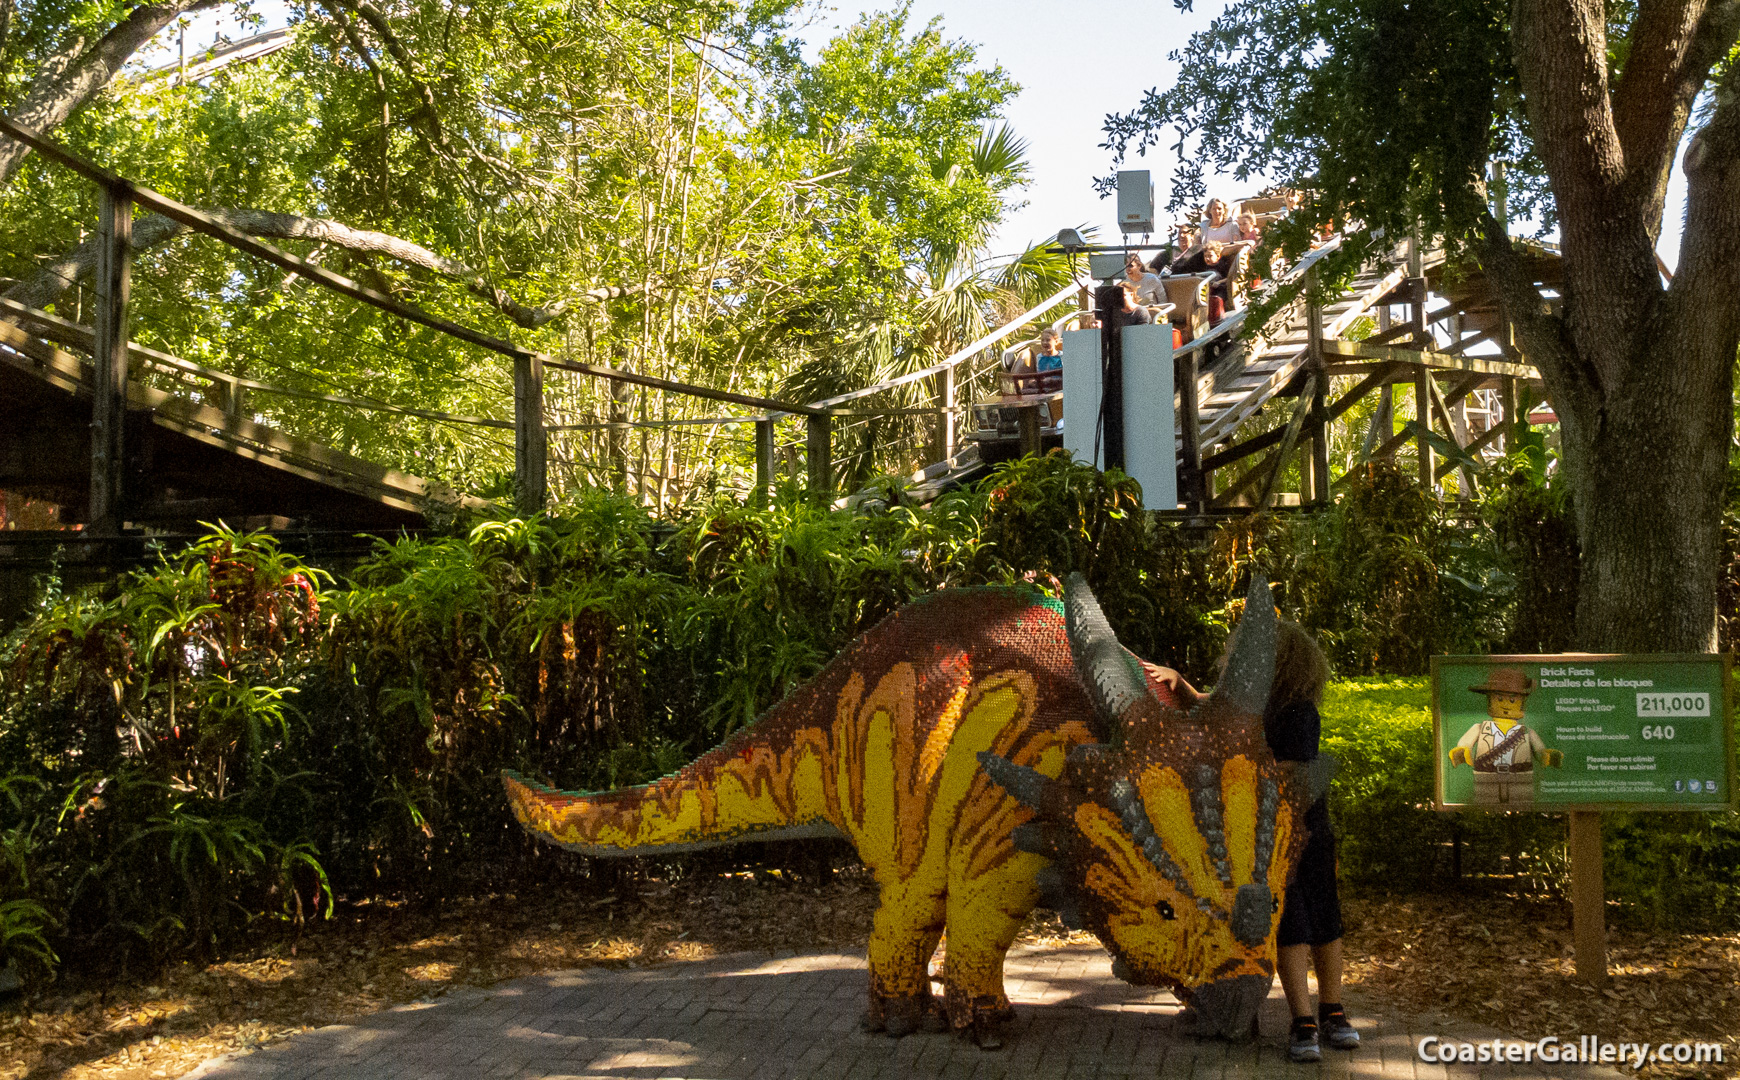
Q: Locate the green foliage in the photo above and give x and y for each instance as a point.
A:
(1389, 112)
(755, 212)
(229, 739)
(153, 809)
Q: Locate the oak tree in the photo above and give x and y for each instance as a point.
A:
(1392, 112)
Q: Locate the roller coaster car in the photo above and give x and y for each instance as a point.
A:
(996, 424)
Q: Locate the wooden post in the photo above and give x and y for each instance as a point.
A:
(1319, 441)
(1387, 413)
(821, 465)
(531, 441)
(1316, 465)
(616, 435)
(1507, 406)
(1192, 484)
(109, 391)
(763, 459)
(945, 420)
(1588, 897)
(1027, 423)
(1423, 417)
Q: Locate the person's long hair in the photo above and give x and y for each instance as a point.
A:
(1301, 669)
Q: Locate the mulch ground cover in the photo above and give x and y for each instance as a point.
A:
(1501, 961)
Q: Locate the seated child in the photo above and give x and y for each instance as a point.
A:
(1050, 356)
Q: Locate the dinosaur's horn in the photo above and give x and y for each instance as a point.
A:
(1026, 786)
(1250, 667)
(1113, 678)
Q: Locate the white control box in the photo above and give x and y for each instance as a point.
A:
(1135, 202)
(1150, 423)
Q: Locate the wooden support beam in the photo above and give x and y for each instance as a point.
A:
(1381, 420)
(1319, 421)
(1472, 448)
(1423, 389)
(109, 387)
(1194, 482)
(1443, 411)
(1588, 898)
(1507, 407)
(1027, 423)
(945, 417)
(1267, 439)
(763, 460)
(1289, 439)
(531, 441)
(1246, 479)
(1364, 350)
(820, 459)
(1462, 345)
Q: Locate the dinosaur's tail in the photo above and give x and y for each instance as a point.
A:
(741, 791)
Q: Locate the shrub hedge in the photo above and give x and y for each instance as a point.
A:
(231, 741)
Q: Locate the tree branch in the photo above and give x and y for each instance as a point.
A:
(1708, 276)
(1539, 333)
(1561, 58)
(428, 117)
(75, 74)
(1674, 44)
(154, 230)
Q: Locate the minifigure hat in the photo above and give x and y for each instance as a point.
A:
(1505, 680)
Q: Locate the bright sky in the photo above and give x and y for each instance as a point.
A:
(1075, 63)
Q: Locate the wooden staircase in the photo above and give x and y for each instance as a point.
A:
(1249, 372)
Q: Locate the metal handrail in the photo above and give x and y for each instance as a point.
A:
(956, 358)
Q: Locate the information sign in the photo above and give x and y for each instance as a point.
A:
(1582, 732)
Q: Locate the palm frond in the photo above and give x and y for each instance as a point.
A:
(1001, 156)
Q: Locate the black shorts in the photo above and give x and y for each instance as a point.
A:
(1311, 912)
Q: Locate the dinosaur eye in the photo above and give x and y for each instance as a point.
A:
(1166, 911)
(1275, 906)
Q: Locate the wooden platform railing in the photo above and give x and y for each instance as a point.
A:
(1403, 353)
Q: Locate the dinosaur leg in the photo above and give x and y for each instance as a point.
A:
(984, 915)
(902, 939)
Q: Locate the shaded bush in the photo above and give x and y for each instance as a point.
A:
(229, 740)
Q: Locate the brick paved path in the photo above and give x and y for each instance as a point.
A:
(751, 1016)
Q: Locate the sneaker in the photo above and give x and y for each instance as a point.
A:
(1302, 1043)
(1337, 1032)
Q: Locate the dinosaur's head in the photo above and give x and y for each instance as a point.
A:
(1174, 838)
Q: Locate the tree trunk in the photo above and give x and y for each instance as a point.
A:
(1640, 376)
(1648, 474)
(74, 75)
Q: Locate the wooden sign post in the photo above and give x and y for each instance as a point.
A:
(1579, 733)
(1588, 898)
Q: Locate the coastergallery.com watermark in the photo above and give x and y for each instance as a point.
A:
(1589, 1048)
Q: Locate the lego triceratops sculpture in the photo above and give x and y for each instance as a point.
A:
(986, 749)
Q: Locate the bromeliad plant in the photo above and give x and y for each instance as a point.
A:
(154, 728)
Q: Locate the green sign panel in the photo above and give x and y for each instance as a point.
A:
(1577, 731)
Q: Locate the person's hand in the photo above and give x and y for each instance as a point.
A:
(1174, 682)
(1552, 759)
(1459, 756)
